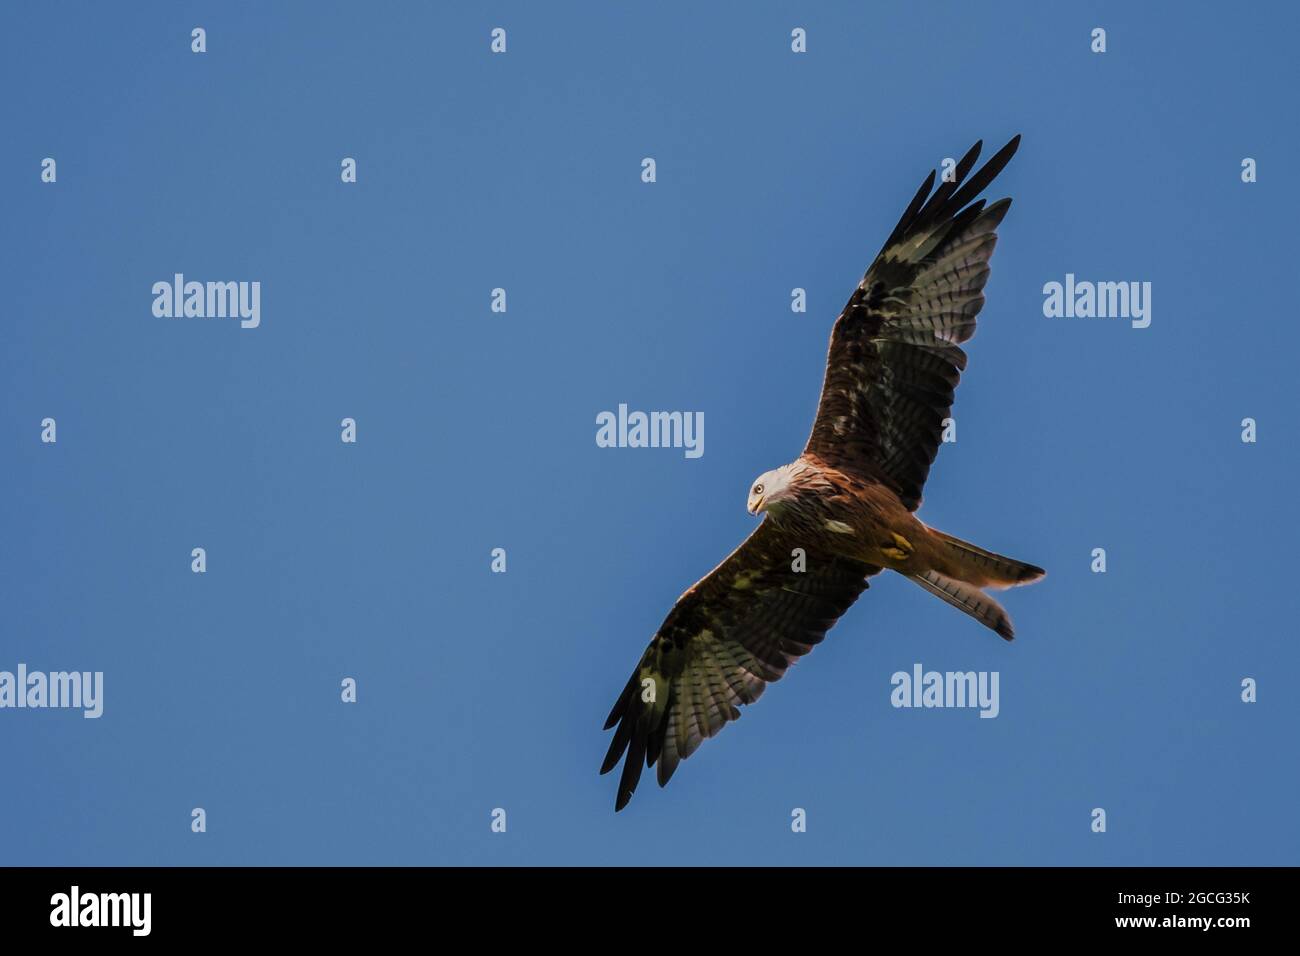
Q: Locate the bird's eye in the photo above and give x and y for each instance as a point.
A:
(758, 489)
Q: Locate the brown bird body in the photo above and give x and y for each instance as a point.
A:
(855, 517)
(845, 509)
(845, 514)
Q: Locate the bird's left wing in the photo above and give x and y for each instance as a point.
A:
(726, 638)
(895, 354)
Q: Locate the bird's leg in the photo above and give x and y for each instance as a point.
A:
(900, 550)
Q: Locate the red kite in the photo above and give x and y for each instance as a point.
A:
(844, 509)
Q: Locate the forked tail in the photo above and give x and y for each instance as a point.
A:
(963, 568)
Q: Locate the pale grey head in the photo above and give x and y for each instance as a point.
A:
(772, 489)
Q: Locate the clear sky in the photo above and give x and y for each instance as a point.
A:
(476, 430)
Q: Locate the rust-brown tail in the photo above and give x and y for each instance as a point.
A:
(961, 569)
(967, 562)
(967, 598)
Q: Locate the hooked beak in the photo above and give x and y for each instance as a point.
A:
(757, 506)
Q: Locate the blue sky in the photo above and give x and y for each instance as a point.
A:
(476, 430)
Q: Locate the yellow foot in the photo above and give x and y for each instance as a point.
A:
(901, 551)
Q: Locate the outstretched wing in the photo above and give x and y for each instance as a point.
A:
(726, 638)
(894, 356)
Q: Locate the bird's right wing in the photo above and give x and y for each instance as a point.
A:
(725, 639)
(895, 354)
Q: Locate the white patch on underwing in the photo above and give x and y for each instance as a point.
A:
(839, 527)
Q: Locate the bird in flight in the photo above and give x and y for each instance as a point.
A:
(844, 510)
